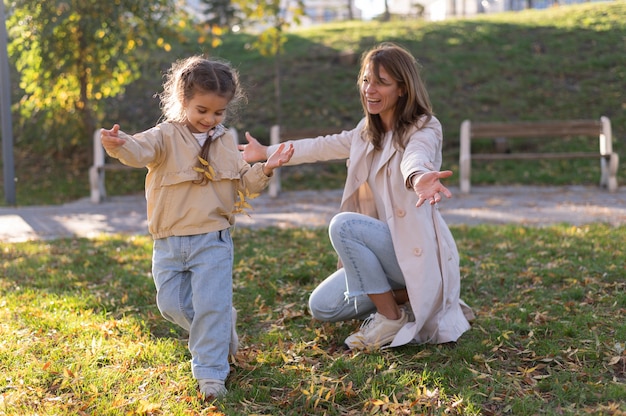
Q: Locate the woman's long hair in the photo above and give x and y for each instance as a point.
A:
(411, 106)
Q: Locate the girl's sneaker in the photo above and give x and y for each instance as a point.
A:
(212, 389)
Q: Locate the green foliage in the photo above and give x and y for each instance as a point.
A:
(81, 333)
(270, 19)
(560, 63)
(72, 55)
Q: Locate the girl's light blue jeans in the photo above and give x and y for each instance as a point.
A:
(193, 277)
(370, 266)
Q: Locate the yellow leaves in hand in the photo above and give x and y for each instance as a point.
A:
(241, 205)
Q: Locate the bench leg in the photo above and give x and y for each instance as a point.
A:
(465, 157)
(608, 178)
(612, 172)
(96, 184)
(274, 186)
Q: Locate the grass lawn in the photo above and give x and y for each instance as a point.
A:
(81, 334)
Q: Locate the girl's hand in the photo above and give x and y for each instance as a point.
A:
(281, 156)
(428, 188)
(253, 151)
(110, 138)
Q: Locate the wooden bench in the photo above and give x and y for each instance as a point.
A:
(100, 165)
(547, 129)
(96, 171)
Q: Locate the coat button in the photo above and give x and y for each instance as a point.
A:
(400, 212)
(417, 251)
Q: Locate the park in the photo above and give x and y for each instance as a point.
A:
(79, 327)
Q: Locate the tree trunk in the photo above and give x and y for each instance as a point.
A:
(83, 106)
(386, 14)
(277, 74)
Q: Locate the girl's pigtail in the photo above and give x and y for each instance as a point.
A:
(203, 163)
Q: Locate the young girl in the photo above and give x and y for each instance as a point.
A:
(191, 206)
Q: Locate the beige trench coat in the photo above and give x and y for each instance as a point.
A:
(424, 246)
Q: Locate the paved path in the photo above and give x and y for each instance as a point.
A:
(535, 206)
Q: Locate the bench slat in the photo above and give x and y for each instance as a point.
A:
(536, 129)
(534, 156)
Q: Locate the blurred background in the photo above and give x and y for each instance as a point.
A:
(75, 66)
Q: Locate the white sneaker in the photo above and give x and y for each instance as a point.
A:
(376, 331)
(234, 338)
(212, 389)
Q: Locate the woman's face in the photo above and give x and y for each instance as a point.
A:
(381, 94)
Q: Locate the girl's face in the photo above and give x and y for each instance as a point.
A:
(205, 111)
(380, 94)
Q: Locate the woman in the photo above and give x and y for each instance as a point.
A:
(400, 264)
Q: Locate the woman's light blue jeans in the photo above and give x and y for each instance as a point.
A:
(370, 266)
(193, 277)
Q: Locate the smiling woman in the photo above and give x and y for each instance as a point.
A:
(399, 265)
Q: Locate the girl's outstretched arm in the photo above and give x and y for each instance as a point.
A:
(281, 156)
(110, 138)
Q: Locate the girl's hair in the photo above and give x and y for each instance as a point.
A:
(412, 104)
(194, 75)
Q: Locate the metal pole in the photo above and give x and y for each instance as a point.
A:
(5, 114)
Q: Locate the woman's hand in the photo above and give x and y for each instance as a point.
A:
(281, 156)
(253, 151)
(428, 188)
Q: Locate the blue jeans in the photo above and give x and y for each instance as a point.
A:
(193, 277)
(370, 266)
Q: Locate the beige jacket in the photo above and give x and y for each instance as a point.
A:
(424, 246)
(177, 205)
